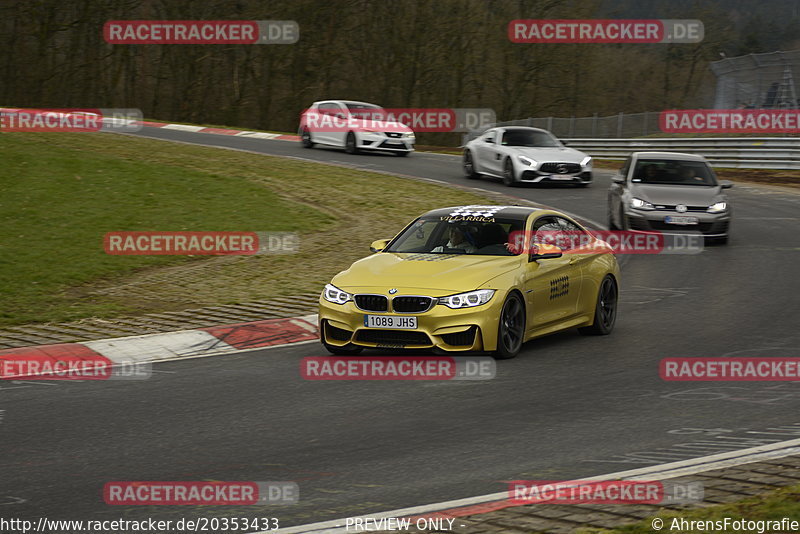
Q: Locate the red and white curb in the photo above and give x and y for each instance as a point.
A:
(497, 501)
(211, 341)
(221, 131)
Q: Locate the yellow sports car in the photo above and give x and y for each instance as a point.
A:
(473, 278)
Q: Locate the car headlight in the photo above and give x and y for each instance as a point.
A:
(717, 207)
(409, 134)
(640, 204)
(586, 162)
(331, 293)
(468, 299)
(527, 161)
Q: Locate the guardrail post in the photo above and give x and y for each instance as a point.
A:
(571, 126)
(549, 124)
(594, 125)
(619, 125)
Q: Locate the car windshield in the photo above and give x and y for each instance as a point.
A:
(532, 138)
(367, 111)
(453, 235)
(673, 172)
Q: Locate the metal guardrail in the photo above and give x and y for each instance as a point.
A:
(731, 152)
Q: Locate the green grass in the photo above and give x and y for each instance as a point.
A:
(60, 193)
(774, 506)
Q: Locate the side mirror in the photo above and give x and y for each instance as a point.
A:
(489, 140)
(379, 245)
(544, 251)
(725, 184)
(618, 179)
(564, 143)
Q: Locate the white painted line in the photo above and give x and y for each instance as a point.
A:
(655, 472)
(151, 347)
(183, 127)
(257, 135)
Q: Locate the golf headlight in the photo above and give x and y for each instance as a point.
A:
(640, 204)
(409, 134)
(586, 162)
(527, 161)
(335, 295)
(717, 207)
(467, 300)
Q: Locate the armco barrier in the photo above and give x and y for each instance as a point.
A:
(732, 152)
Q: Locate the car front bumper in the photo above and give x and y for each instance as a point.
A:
(531, 176)
(709, 224)
(465, 329)
(379, 141)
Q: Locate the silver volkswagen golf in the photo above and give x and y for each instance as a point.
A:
(669, 192)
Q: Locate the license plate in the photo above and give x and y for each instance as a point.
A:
(394, 143)
(390, 321)
(557, 177)
(677, 219)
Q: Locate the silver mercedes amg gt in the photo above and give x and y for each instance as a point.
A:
(519, 154)
(669, 192)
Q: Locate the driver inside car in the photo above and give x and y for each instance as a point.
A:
(459, 238)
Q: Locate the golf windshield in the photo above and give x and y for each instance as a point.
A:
(673, 172)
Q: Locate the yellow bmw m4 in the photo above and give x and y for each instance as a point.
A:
(473, 278)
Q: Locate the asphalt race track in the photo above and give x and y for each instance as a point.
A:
(568, 406)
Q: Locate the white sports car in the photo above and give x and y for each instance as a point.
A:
(519, 154)
(354, 126)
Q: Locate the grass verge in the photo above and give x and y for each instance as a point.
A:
(62, 192)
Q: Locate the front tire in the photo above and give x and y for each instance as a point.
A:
(605, 309)
(511, 329)
(508, 174)
(350, 144)
(469, 166)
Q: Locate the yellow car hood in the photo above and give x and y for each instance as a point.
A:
(440, 273)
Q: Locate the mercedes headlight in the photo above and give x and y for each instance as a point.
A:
(528, 162)
(586, 162)
(331, 293)
(640, 204)
(717, 207)
(467, 300)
